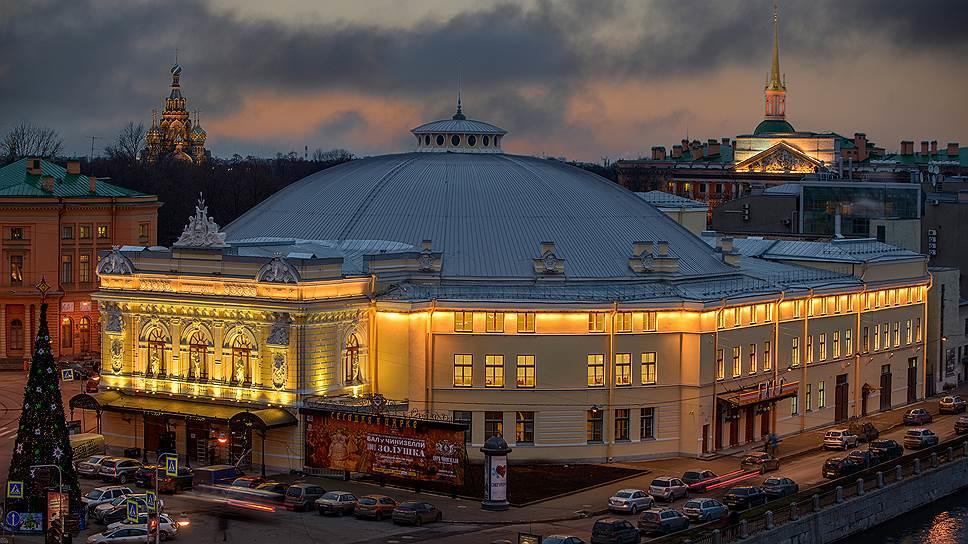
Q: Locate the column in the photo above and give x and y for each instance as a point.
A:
(175, 327)
(3, 330)
(218, 325)
(133, 337)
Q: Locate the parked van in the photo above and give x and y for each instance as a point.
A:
(86, 445)
(216, 474)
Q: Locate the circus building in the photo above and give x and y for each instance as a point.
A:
(506, 294)
(176, 136)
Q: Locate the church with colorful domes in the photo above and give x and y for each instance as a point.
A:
(176, 136)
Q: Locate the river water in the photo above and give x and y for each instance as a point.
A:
(941, 522)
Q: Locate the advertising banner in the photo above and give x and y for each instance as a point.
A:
(57, 507)
(401, 447)
(497, 478)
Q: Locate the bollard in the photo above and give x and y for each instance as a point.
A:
(816, 502)
(934, 460)
(743, 529)
(898, 473)
(717, 537)
(839, 495)
(794, 515)
(769, 519)
(860, 486)
(917, 466)
(880, 479)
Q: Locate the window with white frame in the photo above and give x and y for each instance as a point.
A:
(835, 344)
(908, 333)
(649, 321)
(795, 352)
(494, 321)
(596, 370)
(493, 371)
(596, 322)
(525, 371)
(720, 365)
(737, 362)
(623, 322)
(649, 369)
(848, 342)
(463, 370)
(463, 321)
(767, 356)
(623, 369)
(752, 357)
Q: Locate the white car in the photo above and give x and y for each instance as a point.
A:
(121, 535)
(166, 527)
(101, 495)
(839, 439)
(668, 488)
(630, 501)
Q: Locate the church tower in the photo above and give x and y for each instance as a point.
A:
(175, 137)
(775, 85)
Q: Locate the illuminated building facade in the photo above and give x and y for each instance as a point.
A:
(511, 294)
(176, 136)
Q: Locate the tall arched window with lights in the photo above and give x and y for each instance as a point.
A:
(351, 360)
(198, 357)
(16, 337)
(84, 329)
(67, 333)
(241, 353)
(156, 353)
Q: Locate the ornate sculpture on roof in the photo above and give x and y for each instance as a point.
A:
(176, 136)
(115, 263)
(201, 230)
(278, 270)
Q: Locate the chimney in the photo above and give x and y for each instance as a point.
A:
(33, 167)
(662, 248)
(934, 147)
(725, 244)
(907, 147)
(47, 184)
(92, 184)
(641, 248)
(725, 141)
(712, 147)
(658, 153)
(696, 150)
(73, 167)
(952, 149)
(924, 147)
(676, 151)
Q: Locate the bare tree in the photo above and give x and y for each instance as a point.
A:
(27, 140)
(131, 141)
(332, 155)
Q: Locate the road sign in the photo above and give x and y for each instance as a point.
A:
(67, 375)
(171, 466)
(15, 490)
(12, 521)
(152, 500)
(132, 511)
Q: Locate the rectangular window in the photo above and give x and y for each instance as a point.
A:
(811, 306)
(880, 299)
(465, 418)
(877, 337)
(908, 333)
(891, 297)
(836, 344)
(493, 424)
(754, 313)
(16, 233)
(737, 363)
(102, 232)
(837, 305)
(865, 340)
(795, 353)
(647, 424)
(769, 313)
(623, 369)
(809, 349)
(721, 319)
(623, 322)
(84, 269)
(524, 427)
(649, 321)
(526, 322)
(493, 371)
(797, 308)
(823, 346)
(596, 322)
(622, 420)
(849, 342)
(767, 356)
(919, 291)
(67, 269)
(868, 300)
(886, 369)
(16, 270)
(525, 371)
(494, 321)
(886, 335)
(463, 370)
(737, 317)
(84, 232)
(752, 356)
(917, 329)
(720, 365)
(463, 321)
(593, 425)
(794, 405)
(808, 398)
(897, 333)
(648, 368)
(596, 370)
(143, 231)
(67, 232)
(824, 305)
(821, 396)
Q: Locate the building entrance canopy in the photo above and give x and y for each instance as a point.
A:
(770, 391)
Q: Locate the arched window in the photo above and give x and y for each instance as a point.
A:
(67, 333)
(85, 330)
(472, 140)
(351, 360)
(487, 141)
(156, 353)
(455, 140)
(16, 335)
(427, 140)
(241, 350)
(198, 357)
(440, 139)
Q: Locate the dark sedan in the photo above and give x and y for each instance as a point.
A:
(336, 502)
(777, 487)
(145, 477)
(917, 416)
(743, 497)
(697, 479)
(886, 450)
(838, 467)
(865, 458)
(662, 521)
(415, 513)
(760, 461)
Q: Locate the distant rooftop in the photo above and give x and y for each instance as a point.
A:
(16, 180)
(661, 199)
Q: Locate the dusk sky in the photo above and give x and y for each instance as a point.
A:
(581, 79)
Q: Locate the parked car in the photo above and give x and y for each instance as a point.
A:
(121, 535)
(779, 486)
(917, 416)
(630, 501)
(760, 461)
(119, 469)
(743, 497)
(951, 404)
(841, 439)
(336, 502)
(662, 521)
(249, 482)
(302, 496)
(961, 425)
(838, 467)
(916, 439)
(90, 467)
(704, 509)
(374, 507)
(865, 458)
(277, 490)
(697, 479)
(145, 477)
(217, 474)
(668, 488)
(865, 431)
(615, 531)
(886, 450)
(101, 495)
(415, 513)
(562, 539)
(167, 528)
(117, 509)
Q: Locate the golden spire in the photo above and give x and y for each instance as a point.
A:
(776, 83)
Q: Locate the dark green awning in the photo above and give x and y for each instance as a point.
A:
(260, 418)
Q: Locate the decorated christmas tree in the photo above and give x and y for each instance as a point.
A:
(42, 438)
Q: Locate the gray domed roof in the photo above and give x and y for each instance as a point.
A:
(459, 126)
(486, 213)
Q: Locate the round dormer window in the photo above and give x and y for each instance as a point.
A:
(455, 140)
(472, 140)
(486, 141)
(440, 139)
(427, 139)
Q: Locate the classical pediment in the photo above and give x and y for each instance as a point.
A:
(781, 158)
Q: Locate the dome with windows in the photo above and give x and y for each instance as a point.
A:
(459, 134)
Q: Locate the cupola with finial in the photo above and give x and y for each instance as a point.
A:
(459, 135)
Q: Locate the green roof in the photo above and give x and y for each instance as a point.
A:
(919, 159)
(770, 126)
(15, 181)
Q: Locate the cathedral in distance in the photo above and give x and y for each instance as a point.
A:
(176, 137)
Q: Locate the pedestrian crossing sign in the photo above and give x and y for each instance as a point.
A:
(15, 490)
(67, 375)
(171, 466)
(132, 511)
(152, 499)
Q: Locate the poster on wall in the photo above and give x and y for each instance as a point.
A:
(401, 447)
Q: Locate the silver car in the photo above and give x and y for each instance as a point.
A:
(630, 501)
(90, 466)
(101, 495)
(704, 509)
(668, 488)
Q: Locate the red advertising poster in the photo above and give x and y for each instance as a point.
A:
(402, 447)
(57, 506)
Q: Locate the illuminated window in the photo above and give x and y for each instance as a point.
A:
(808, 398)
(526, 322)
(493, 424)
(623, 369)
(67, 232)
(720, 365)
(67, 332)
(797, 308)
(865, 340)
(767, 356)
(647, 424)
(721, 319)
(838, 304)
(351, 361)
(737, 319)
(849, 342)
(886, 335)
(794, 405)
(648, 368)
(737, 363)
(823, 346)
(919, 291)
(463, 321)
(493, 371)
(892, 297)
(156, 353)
(596, 370)
(241, 353)
(494, 321)
(622, 420)
(897, 333)
(769, 312)
(623, 322)
(917, 329)
(524, 427)
(880, 299)
(877, 337)
(594, 424)
(649, 321)
(848, 302)
(908, 333)
(67, 269)
(868, 300)
(16, 270)
(754, 313)
(463, 370)
(102, 232)
(824, 305)
(753, 362)
(84, 269)
(525, 376)
(84, 332)
(143, 231)
(795, 353)
(821, 396)
(84, 232)
(197, 357)
(466, 418)
(809, 348)
(836, 344)
(596, 322)
(811, 306)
